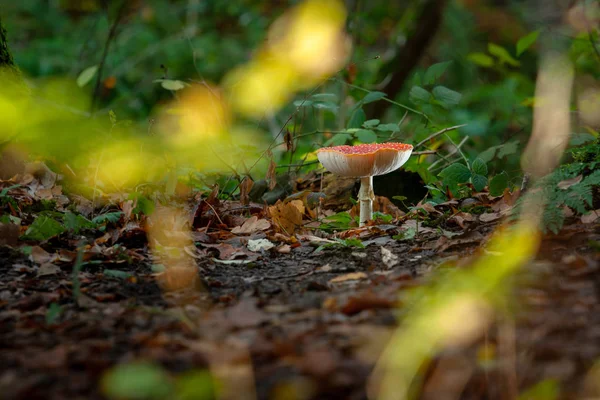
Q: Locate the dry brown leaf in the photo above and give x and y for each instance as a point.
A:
(443, 243)
(48, 269)
(287, 216)
(41, 256)
(461, 217)
(251, 225)
(353, 276)
(590, 217)
(9, 234)
(245, 187)
(270, 177)
(567, 183)
(489, 217)
(366, 301)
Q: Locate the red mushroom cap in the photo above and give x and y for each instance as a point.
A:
(364, 159)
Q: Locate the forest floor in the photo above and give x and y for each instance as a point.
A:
(306, 319)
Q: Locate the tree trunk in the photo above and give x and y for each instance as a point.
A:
(407, 58)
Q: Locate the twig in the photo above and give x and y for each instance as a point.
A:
(385, 99)
(456, 148)
(112, 33)
(297, 165)
(434, 135)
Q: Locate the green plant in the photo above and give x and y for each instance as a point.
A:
(565, 187)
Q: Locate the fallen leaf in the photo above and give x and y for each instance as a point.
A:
(284, 249)
(460, 218)
(353, 276)
(259, 245)
(287, 216)
(567, 183)
(590, 217)
(251, 225)
(41, 256)
(245, 187)
(489, 217)
(366, 301)
(245, 314)
(9, 234)
(270, 177)
(48, 269)
(443, 243)
(388, 258)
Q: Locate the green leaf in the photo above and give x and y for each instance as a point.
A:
(400, 198)
(502, 54)
(373, 96)
(481, 59)
(366, 136)
(325, 97)
(143, 204)
(302, 103)
(53, 313)
(479, 182)
(115, 273)
(112, 217)
(489, 154)
(371, 123)
(455, 173)
(112, 116)
(171, 84)
(548, 389)
(338, 139)
(87, 75)
(479, 167)
(357, 118)
(447, 97)
(75, 222)
(322, 105)
(419, 95)
(43, 228)
(435, 71)
(508, 148)
(136, 381)
(498, 184)
(388, 128)
(526, 42)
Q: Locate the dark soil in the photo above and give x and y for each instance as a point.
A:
(282, 326)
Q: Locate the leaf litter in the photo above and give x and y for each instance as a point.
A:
(254, 283)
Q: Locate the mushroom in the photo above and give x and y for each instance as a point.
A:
(364, 161)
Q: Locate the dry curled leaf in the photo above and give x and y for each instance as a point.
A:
(270, 177)
(353, 276)
(251, 225)
(245, 187)
(287, 216)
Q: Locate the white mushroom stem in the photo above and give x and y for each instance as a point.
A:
(366, 197)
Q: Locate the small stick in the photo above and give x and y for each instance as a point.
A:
(456, 148)
(434, 135)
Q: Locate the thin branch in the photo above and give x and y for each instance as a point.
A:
(432, 136)
(297, 165)
(456, 149)
(112, 33)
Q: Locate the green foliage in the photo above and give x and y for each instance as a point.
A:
(43, 228)
(565, 187)
(141, 381)
(526, 42)
(53, 313)
(339, 222)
